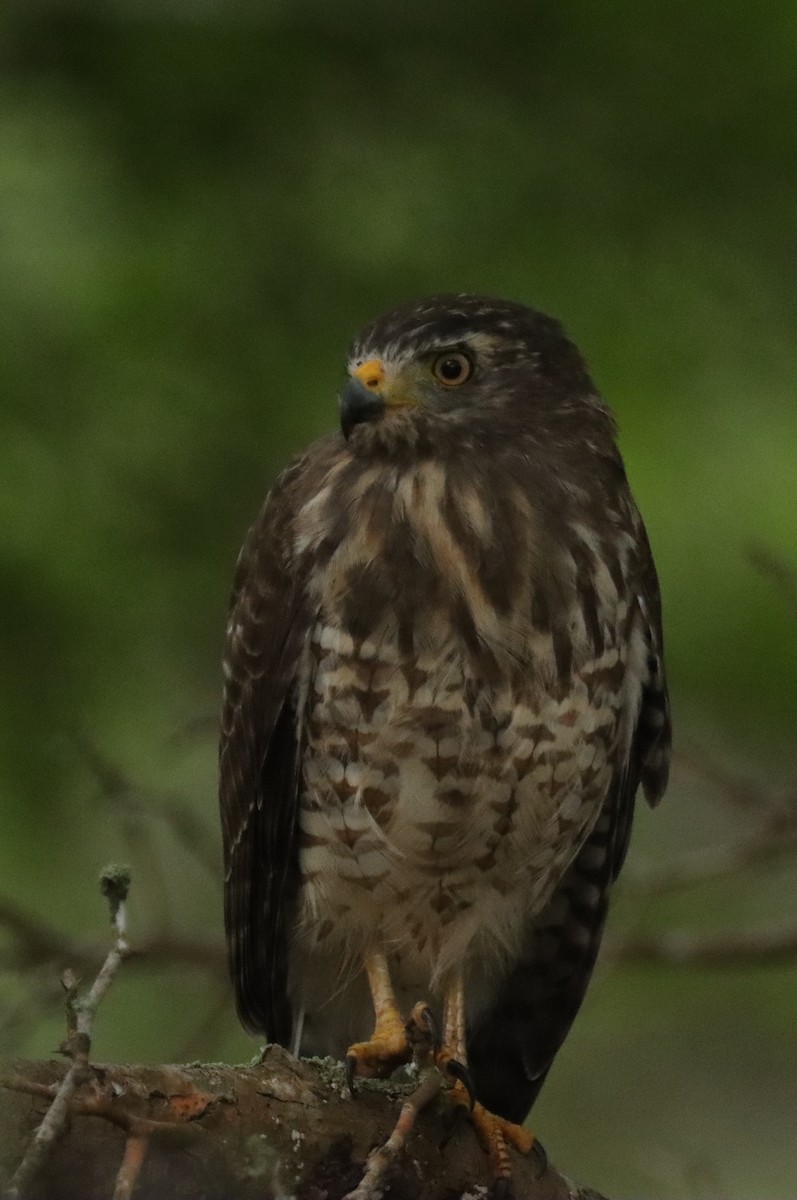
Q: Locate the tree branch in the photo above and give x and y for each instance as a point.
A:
(284, 1127)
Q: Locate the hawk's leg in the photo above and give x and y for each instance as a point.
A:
(495, 1133)
(388, 1047)
(392, 1043)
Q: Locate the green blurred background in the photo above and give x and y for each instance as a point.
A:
(199, 204)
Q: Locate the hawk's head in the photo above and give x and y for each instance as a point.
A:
(457, 353)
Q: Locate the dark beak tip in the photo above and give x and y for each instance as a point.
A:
(346, 425)
(358, 404)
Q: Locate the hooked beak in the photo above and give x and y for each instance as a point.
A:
(359, 403)
(369, 393)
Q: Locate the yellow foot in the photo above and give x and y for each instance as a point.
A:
(442, 1066)
(388, 1046)
(441, 1070)
(386, 1049)
(496, 1135)
(379, 1056)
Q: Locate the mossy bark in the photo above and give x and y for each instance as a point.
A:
(283, 1128)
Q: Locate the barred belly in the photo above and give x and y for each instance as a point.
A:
(438, 812)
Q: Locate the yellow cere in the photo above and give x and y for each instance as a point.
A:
(371, 374)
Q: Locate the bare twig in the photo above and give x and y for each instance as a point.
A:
(114, 883)
(99, 1105)
(18, 1083)
(135, 1152)
(69, 982)
(372, 1184)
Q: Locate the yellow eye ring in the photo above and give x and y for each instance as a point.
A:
(452, 369)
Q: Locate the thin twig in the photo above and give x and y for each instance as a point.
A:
(372, 1185)
(30, 1087)
(69, 982)
(114, 883)
(133, 1160)
(101, 1106)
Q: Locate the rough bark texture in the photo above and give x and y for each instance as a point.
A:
(281, 1129)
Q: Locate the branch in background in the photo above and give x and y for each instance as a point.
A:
(762, 946)
(135, 805)
(81, 1011)
(777, 571)
(739, 791)
(775, 837)
(35, 941)
(756, 946)
(712, 862)
(40, 945)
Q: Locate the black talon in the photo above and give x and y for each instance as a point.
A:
(351, 1067)
(502, 1190)
(541, 1159)
(463, 1075)
(422, 1028)
(429, 1020)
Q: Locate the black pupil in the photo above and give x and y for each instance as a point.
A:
(451, 368)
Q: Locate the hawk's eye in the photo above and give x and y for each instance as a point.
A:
(452, 368)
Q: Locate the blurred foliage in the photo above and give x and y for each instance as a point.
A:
(199, 204)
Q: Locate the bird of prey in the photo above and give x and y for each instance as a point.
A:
(444, 686)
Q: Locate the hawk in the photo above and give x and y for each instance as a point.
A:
(444, 686)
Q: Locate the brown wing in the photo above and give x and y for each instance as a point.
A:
(511, 1050)
(259, 764)
(653, 741)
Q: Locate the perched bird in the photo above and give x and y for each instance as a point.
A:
(444, 686)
